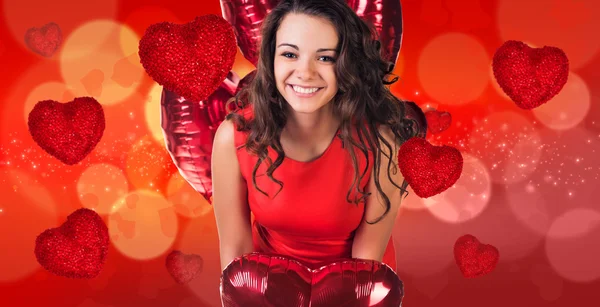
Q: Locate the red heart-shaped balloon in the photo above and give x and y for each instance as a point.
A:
(274, 280)
(190, 59)
(76, 249)
(189, 128)
(247, 17)
(67, 131)
(183, 267)
(438, 121)
(45, 40)
(530, 76)
(428, 169)
(473, 258)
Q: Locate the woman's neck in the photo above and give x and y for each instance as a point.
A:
(311, 127)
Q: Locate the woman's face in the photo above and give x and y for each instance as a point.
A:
(304, 62)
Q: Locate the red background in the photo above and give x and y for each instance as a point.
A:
(528, 186)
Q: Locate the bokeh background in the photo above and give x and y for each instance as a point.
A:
(529, 185)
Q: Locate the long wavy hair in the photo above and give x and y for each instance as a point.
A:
(361, 71)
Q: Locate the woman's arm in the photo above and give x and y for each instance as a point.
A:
(371, 240)
(230, 203)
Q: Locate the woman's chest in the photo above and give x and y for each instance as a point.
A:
(312, 202)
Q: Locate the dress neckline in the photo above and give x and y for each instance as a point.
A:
(320, 157)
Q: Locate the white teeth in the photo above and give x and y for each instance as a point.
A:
(305, 90)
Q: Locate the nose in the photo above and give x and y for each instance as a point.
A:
(306, 69)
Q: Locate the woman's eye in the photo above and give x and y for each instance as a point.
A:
(288, 55)
(328, 58)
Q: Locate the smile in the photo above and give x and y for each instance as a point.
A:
(304, 92)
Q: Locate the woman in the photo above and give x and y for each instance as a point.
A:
(312, 154)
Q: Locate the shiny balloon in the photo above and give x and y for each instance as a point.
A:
(386, 16)
(246, 17)
(258, 279)
(189, 129)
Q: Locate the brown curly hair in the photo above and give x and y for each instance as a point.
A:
(363, 93)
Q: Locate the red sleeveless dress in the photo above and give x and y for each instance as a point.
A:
(310, 219)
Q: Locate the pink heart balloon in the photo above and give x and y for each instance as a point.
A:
(189, 128)
(258, 279)
(246, 17)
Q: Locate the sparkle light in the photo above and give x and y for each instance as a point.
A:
(509, 144)
(572, 104)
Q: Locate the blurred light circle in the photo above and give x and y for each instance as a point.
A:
(467, 197)
(187, 201)
(27, 209)
(20, 15)
(153, 113)
(572, 245)
(509, 146)
(100, 186)
(564, 24)
(143, 225)
(104, 72)
(446, 56)
(567, 109)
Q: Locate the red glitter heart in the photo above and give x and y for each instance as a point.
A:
(438, 121)
(190, 59)
(473, 258)
(530, 76)
(76, 249)
(183, 267)
(67, 131)
(428, 169)
(45, 40)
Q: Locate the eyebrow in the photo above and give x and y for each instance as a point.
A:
(318, 50)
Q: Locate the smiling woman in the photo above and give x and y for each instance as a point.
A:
(304, 65)
(319, 113)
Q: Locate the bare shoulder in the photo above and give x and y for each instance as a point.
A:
(387, 133)
(225, 135)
